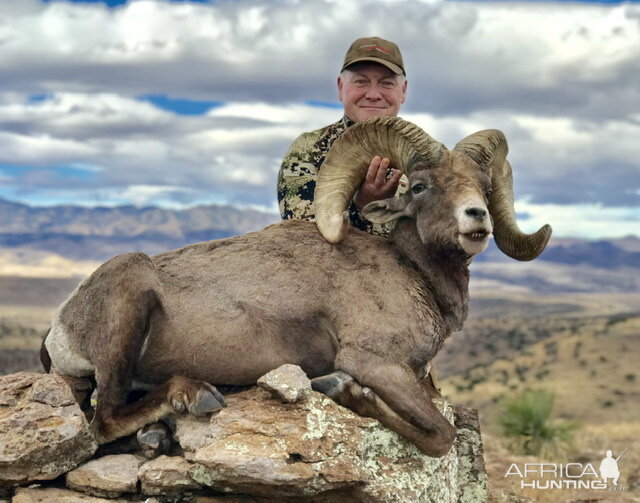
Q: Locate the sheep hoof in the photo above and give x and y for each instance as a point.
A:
(153, 440)
(331, 384)
(207, 400)
(196, 397)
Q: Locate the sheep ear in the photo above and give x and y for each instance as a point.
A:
(386, 210)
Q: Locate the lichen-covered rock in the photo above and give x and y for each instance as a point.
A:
(108, 476)
(50, 495)
(43, 432)
(167, 475)
(472, 474)
(287, 382)
(259, 446)
(259, 449)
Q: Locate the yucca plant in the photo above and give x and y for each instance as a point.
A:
(526, 419)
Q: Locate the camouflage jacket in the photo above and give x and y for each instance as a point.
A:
(298, 173)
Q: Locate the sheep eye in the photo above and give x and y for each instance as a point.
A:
(417, 188)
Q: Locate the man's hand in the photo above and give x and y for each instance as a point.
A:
(376, 185)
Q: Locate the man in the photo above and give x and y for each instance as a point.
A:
(372, 83)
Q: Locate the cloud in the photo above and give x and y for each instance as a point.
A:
(86, 85)
(581, 220)
(461, 56)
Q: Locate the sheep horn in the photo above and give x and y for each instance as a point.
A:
(346, 164)
(489, 149)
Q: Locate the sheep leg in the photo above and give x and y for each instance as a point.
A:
(177, 395)
(130, 305)
(400, 400)
(343, 389)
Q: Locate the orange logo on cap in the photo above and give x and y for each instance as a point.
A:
(374, 47)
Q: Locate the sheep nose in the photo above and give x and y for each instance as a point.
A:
(477, 213)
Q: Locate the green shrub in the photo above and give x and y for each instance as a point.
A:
(526, 420)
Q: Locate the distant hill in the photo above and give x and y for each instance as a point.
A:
(99, 233)
(96, 234)
(608, 254)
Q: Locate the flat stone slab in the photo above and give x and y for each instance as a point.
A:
(109, 476)
(50, 495)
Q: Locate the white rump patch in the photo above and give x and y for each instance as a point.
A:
(64, 360)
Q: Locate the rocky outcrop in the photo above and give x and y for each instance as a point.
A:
(261, 447)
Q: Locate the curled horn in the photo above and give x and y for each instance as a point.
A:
(346, 164)
(489, 148)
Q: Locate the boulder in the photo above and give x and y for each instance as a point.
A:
(43, 432)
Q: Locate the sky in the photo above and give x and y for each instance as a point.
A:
(178, 103)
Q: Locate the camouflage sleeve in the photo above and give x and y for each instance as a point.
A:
(297, 181)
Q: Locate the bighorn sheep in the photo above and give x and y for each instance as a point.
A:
(360, 314)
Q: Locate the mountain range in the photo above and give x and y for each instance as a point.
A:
(99, 233)
(96, 234)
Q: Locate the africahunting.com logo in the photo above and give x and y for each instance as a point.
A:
(569, 475)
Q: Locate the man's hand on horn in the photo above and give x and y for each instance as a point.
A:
(381, 182)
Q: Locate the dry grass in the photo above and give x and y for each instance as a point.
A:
(592, 367)
(593, 372)
(507, 489)
(23, 262)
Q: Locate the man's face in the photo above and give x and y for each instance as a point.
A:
(371, 90)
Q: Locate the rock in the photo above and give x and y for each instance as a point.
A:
(287, 382)
(192, 433)
(261, 447)
(45, 390)
(240, 499)
(49, 495)
(43, 432)
(109, 476)
(472, 474)
(167, 475)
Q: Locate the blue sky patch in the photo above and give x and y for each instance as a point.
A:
(76, 171)
(39, 98)
(116, 3)
(323, 104)
(180, 106)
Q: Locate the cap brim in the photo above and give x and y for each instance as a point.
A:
(391, 66)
